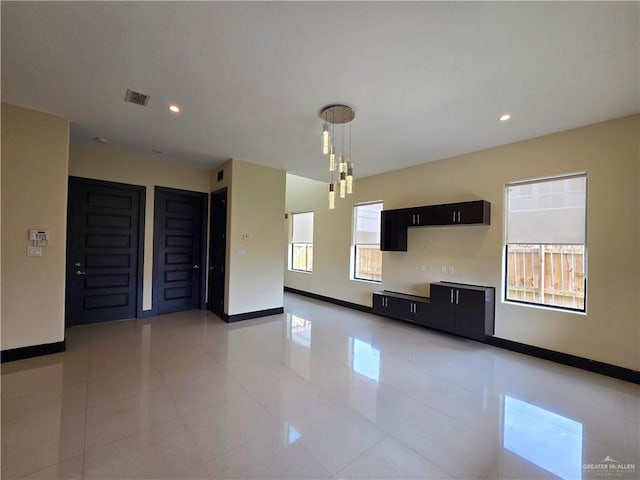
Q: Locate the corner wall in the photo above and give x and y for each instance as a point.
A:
(102, 162)
(35, 153)
(608, 151)
(256, 240)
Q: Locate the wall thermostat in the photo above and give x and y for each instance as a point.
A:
(37, 235)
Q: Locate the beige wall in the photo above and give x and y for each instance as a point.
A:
(35, 152)
(256, 242)
(102, 162)
(609, 152)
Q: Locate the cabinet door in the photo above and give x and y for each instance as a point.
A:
(445, 214)
(420, 216)
(426, 216)
(473, 212)
(421, 313)
(379, 304)
(442, 308)
(398, 308)
(463, 213)
(393, 231)
(470, 313)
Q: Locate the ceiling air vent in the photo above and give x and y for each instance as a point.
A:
(136, 97)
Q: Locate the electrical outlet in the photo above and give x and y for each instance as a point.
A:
(423, 268)
(452, 270)
(34, 251)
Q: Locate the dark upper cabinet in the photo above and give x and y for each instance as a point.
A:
(394, 223)
(393, 231)
(420, 216)
(466, 310)
(464, 213)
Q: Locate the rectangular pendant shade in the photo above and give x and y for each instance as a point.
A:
(547, 211)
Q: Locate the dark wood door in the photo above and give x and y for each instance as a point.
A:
(217, 251)
(178, 249)
(470, 313)
(442, 308)
(105, 221)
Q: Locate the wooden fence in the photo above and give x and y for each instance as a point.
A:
(369, 263)
(549, 274)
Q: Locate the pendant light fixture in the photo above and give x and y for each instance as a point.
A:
(338, 149)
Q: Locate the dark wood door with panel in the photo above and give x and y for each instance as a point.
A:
(179, 247)
(217, 251)
(105, 221)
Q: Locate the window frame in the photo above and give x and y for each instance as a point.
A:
(505, 276)
(355, 245)
(307, 245)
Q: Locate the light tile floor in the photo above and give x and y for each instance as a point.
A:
(318, 392)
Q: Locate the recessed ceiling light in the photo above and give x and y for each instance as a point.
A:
(100, 139)
(505, 117)
(174, 108)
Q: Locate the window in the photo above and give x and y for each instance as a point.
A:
(367, 255)
(302, 242)
(545, 242)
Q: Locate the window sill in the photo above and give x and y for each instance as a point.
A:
(301, 271)
(544, 307)
(374, 282)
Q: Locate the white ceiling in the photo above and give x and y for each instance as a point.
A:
(427, 80)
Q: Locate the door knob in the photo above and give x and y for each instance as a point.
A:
(196, 266)
(78, 272)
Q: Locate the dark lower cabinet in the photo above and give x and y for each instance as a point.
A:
(466, 310)
(443, 310)
(411, 308)
(421, 313)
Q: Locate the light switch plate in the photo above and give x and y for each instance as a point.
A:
(34, 251)
(444, 269)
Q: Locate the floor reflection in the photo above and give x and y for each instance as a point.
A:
(364, 359)
(299, 330)
(291, 433)
(546, 439)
